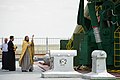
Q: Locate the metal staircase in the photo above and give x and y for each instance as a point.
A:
(117, 47)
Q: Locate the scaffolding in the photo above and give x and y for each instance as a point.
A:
(117, 47)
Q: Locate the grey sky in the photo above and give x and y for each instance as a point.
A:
(43, 18)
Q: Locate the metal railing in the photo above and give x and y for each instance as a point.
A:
(42, 45)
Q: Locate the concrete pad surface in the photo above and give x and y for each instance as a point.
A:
(35, 75)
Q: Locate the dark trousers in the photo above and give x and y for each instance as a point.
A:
(11, 61)
(5, 60)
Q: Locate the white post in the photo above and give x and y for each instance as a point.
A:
(47, 45)
(47, 56)
(2, 40)
(98, 58)
(99, 67)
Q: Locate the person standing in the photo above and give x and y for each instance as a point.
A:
(11, 55)
(4, 48)
(27, 54)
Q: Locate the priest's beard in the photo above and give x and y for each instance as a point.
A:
(27, 40)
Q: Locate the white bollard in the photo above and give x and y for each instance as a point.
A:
(98, 61)
(62, 64)
(99, 67)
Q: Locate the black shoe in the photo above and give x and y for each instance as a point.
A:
(30, 70)
(24, 71)
(11, 70)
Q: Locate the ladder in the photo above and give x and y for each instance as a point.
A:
(117, 47)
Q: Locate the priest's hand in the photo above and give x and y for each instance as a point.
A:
(32, 36)
(15, 47)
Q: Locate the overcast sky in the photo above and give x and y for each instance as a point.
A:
(43, 18)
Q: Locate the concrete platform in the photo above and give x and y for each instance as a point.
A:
(69, 74)
(35, 75)
(99, 76)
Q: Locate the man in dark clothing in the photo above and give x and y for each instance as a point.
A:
(11, 55)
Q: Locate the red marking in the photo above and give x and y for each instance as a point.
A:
(94, 26)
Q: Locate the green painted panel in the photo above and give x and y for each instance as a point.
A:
(63, 44)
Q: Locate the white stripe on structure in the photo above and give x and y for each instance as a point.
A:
(97, 35)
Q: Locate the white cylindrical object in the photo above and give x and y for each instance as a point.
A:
(97, 35)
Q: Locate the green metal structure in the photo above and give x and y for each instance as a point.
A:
(99, 29)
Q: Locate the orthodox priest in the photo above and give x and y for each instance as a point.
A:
(27, 54)
(11, 54)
